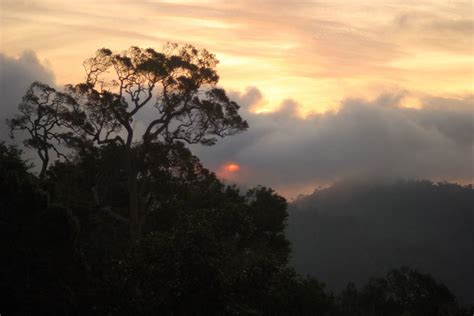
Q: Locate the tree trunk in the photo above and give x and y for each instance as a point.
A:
(133, 201)
(44, 166)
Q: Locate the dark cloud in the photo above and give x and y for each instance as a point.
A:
(376, 138)
(16, 75)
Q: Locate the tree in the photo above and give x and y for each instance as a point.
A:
(43, 114)
(401, 291)
(179, 85)
(418, 293)
(176, 89)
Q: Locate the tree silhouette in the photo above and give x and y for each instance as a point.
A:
(44, 112)
(401, 291)
(176, 90)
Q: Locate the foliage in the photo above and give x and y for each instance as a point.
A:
(207, 250)
(43, 114)
(41, 268)
(400, 292)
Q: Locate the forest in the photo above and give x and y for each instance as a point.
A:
(122, 219)
(380, 223)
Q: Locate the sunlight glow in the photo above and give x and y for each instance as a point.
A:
(232, 167)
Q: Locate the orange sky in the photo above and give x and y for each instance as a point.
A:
(315, 52)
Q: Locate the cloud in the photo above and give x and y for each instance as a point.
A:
(363, 138)
(16, 76)
(308, 50)
(432, 30)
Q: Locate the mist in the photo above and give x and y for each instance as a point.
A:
(363, 138)
(354, 230)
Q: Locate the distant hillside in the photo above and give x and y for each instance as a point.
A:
(354, 230)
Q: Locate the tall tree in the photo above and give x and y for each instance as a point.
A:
(173, 92)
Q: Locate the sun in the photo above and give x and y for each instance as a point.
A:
(232, 167)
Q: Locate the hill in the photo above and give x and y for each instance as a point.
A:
(356, 229)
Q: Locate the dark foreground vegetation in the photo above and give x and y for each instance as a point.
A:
(128, 221)
(207, 250)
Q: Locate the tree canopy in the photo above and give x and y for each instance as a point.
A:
(174, 91)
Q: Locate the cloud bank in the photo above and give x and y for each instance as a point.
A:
(378, 137)
(363, 138)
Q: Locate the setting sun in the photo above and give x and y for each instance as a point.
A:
(232, 167)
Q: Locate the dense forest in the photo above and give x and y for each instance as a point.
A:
(380, 223)
(122, 219)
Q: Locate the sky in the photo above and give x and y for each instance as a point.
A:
(331, 89)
